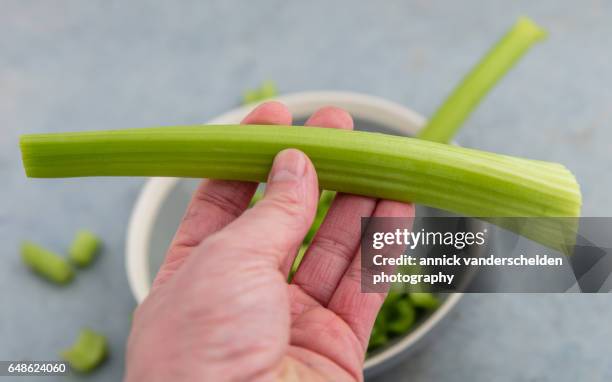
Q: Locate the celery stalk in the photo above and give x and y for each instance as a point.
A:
(48, 264)
(475, 85)
(88, 352)
(84, 248)
(456, 179)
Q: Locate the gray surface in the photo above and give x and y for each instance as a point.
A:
(101, 64)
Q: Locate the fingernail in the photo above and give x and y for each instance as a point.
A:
(288, 165)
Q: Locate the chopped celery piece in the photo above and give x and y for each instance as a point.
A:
(424, 300)
(477, 83)
(378, 338)
(395, 318)
(465, 181)
(404, 317)
(268, 90)
(265, 91)
(88, 352)
(393, 296)
(250, 96)
(50, 265)
(83, 248)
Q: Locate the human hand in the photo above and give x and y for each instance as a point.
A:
(220, 307)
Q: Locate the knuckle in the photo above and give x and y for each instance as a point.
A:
(225, 203)
(289, 193)
(354, 274)
(290, 206)
(336, 247)
(321, 290)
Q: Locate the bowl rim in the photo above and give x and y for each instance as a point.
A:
(392, 115)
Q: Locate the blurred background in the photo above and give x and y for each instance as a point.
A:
(75, 65)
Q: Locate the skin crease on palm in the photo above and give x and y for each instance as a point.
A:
(220, 308)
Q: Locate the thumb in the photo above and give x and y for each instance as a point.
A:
(277, 224)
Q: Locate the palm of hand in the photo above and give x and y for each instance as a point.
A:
(221, 308)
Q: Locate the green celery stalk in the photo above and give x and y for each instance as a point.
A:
(477, 83)
(456, 179)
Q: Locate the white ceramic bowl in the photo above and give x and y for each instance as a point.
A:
(392, 116)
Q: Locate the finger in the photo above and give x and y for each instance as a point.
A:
(331, 117)
(277, 224)
(216, 203)
(333, 247)
(359, 309)
(337, 240)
